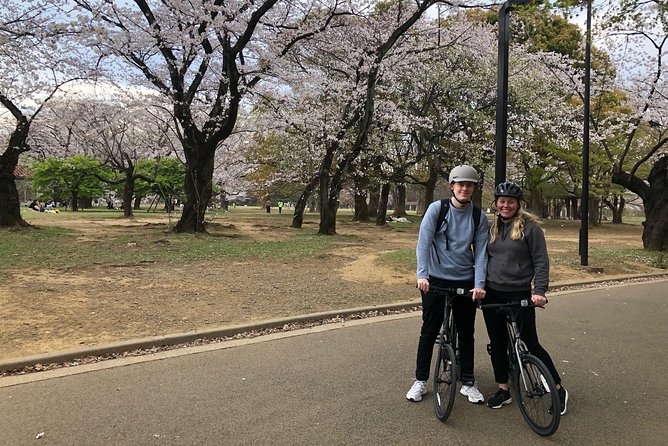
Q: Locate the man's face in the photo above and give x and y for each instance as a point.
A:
(463, 190)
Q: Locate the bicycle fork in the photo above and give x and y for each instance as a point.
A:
(519, 349)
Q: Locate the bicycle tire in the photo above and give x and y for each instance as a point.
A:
(445, 381)
(537, 399)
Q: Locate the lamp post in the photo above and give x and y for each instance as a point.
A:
(584, 199)
(501, 133)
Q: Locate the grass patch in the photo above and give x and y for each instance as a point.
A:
(614, 256)
(148, 239)
(54, 247)
(402, 258)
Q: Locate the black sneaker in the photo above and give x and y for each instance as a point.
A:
(500, 398)
(563, 399)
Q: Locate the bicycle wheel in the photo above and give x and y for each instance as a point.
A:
(536, 395)
(445, 381)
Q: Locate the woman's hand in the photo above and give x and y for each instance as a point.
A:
(539, 300)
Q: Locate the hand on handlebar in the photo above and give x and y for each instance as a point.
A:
(423, 285)
(478, 294)
(539, 300)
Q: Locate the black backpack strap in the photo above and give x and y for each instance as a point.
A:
(477, 212)
(445, 207)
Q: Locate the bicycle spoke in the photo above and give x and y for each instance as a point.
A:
(536, 396)
(445, 382)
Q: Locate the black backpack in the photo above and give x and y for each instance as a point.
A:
(445, 207)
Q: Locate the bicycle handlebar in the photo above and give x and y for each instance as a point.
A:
(457, 291)
(524, 303)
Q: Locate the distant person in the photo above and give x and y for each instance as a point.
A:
(445, 259)
(267, 206)
(517, 257)
(36, 205)
(280, 206)
(51, 206)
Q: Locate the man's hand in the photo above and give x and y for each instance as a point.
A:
(478, 294)
(423, 285)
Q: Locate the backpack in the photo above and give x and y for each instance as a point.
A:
(445, 207)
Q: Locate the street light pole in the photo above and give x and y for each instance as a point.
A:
(584, 199)
(501, 133)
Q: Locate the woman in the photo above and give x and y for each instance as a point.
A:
(517, 255)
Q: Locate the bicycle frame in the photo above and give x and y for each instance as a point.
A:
(516, 346)
(448, 332)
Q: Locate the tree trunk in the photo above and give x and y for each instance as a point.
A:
(572, 208)
(655, 200)
(137, 203)
(128, 192)
(10, 207)
(655, 232)
(329, 205)
(400, 201)
(381, 215)
(300, 207)
(198, 186)
(429, 187)
(361, 209)
(594, 211)
(536, 202)
(328, 200)
(655, 228)
(74, 197)
(10, 204)
(374, 195)
(85, 202)
(618, 209)
(361, 186)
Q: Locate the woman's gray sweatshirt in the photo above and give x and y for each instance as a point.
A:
(513, 264)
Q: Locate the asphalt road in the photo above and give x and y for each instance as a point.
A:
(345, 384)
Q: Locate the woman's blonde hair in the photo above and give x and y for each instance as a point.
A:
(517, 230)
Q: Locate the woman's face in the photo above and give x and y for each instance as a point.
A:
(507, 207)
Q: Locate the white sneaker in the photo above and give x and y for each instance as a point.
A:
(415, 393)
(472, 393)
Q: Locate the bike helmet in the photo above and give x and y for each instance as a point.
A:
(464, 173)
(508, 189)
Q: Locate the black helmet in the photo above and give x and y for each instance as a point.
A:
(508, 189)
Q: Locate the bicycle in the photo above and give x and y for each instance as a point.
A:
(446, 368)
(531, 382)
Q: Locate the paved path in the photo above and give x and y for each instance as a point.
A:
(345, 384)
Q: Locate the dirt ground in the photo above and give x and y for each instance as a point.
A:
(101, 303)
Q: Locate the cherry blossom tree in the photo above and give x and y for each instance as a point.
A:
(420, 105)
(448, 99)
(117, 131)
(204, 58)
(37, 58)
(344, 65)
(636, 140)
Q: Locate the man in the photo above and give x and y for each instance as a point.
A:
(445, 259)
